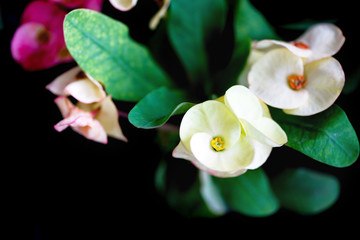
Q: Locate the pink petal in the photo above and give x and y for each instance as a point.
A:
(30, 47)
(65, 106)
(46, 13)
(81, 121)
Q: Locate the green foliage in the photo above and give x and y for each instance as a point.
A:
(305, 191)
(327, 136)
(103, 48)
(250, 23)
(249, 194)
(157, 107)
(191, 25)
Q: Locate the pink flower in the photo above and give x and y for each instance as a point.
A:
(72, 4)
(94, 116)
(39, 41)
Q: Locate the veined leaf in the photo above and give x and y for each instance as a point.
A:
(103, 49)
(305, 191)
(157, 107)
(249, 194)
(327, 136)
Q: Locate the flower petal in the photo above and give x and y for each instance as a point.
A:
(261, 154)
(65, 106)
(267, 45)
(210, 117)
(123, 5)
(324, 40)
(253, 57)
(85, 91)
(58, 85)
(243, 103)
(268, 79)
(159, 15)
(266, 131)
(233, 158)
(325, 80)
(108, 117)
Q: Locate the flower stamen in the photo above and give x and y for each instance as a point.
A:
(296, 82)
(300, 45)
(218, 144)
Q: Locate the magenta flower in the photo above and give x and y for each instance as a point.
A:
(39, 41)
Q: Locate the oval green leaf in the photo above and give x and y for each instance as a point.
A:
(327, 137)
(103, 48)
(157, 107)
(249, 194)
(305, 191)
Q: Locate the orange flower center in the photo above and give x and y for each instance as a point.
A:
(296, 82)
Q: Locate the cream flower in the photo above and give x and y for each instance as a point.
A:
(319, 41)
(281, 79)
(123, 5)
(227, 138)
(94, 116)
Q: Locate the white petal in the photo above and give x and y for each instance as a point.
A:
(254, 56)
(181, 152)
(268, 79)
(243, 103)
(85, 91)
(324, 40)
(267, 45)
(123, 5)
(210, 117)
(266, 131)
(325, 80)
(58, 85)
(261, 154)
(233, 158)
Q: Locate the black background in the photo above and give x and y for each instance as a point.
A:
(62, 186)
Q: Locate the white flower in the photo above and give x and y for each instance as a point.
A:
(282, 80)
(227, 138)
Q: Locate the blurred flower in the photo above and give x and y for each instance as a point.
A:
(282, 80)
(39, 42)
(95, 115)
(123, 5)
(229, 136)
(126, 5)
(72, 4)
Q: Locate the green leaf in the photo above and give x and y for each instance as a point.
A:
(305, 191)
(250, 23)
(103, 48)
(182, 191)
(327, 136)
(157, 107)
(191, 25)
(249, 194)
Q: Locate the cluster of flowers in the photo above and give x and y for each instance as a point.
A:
(227, 136)
(39, 42)
(223, 137)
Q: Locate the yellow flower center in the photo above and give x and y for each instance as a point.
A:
(218, 144)
(296, 82)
